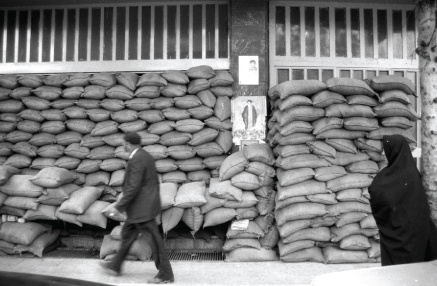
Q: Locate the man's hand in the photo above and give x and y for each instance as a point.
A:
(111, 210)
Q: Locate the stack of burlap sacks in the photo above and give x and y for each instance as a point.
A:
(327, 139)
(76, 122)
(246, 186)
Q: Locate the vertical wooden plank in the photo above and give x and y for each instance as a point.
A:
(272, 43)
(41, 15)
(404, 35)
(362, 36)
(317, 31)
(152, 32)
(52, 37)
(165, 26)
(332, 33)
(114, 34)
(390, 34)
(102, 25)
(88, 41)
(140, 38)
(64, 37)
(178, 31)
(302, 32)
(203, 31)
(287, 31)
(29, 19)
(17, 29)
(216, 30)
(348, 33)
(375, 34)
(126, 35)
(5, 30)
(76, 37)
(190, 34)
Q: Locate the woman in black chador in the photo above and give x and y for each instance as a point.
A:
(400, 207)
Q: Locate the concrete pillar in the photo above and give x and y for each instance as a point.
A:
(249, 37)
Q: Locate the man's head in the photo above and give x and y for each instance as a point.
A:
(249, 102)
(252, 63)
(132, 141)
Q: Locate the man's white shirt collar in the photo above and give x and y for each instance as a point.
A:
(133, 153)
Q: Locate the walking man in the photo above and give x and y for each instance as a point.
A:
(142, 204)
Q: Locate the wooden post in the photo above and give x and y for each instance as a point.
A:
(426, 24)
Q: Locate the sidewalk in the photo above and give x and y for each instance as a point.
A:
(186, 272)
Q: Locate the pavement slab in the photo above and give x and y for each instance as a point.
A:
(186, 272)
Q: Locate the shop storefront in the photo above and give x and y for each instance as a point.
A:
(186, 45)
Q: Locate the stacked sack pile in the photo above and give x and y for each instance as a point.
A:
(31, 202)
(327, 139)
(245, 185)
(76, 122)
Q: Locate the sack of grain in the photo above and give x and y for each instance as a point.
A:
(201, 71)
(170, 218)
(292, 101)
(341, 134)
(25, 203)
(191, 195)
(151, 116)
(294, 176)
(175, 76)
(324, 174)
(88, 166)
(325, 98)
(349, 86)
(201, 112)
(112, 104)
(21, 233)
(234, 243)
(309, 187)
(12, 106)
(128, 79)
(97, 178)
(394, 95)
(346, 110)
(19, 136)
(80, 200)
(379, 133)
(9, 81)
(193, 218)
(313, 233)
(344, 207)
(342, 145)
(41, 163)
(214, 162)
(301, 113)
(190, 165)
(260, 169)
(299, 211)
(360, 123)
(248, 200)
(336, 255)
(232, 165)
(286, 151)
(175, 138)
(302, 87)
(218, 216)
(53, 177)
(362, 100)
(224, 190)
(350, 217)
(390, 82)
(322, 149)
(248, 254)
(313, 254)
(301, 161)
(208, 149)
(20, 185)
(51, 151)
(221, 78)
(6, 172)
(56, 196)
(215, 123)
(76, 151)
(207, 98)
(397, 121)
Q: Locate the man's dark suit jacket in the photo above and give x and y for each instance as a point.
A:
(141, 199)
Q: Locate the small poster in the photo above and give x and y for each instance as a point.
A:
(248, 119)
(248, 71)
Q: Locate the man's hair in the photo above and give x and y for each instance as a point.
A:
(133, 138)
(253, 61)
(249, 101)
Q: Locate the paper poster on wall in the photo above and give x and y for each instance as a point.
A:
(248, 70)
(248, 119)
